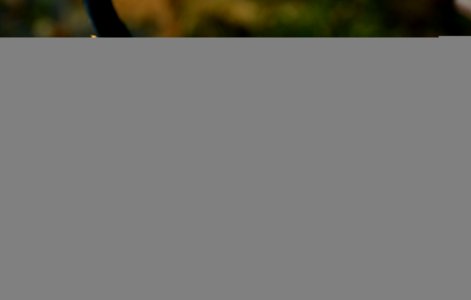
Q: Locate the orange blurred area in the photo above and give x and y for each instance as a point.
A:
(177, 17)
(159, 16)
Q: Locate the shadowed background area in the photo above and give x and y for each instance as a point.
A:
(212, 18)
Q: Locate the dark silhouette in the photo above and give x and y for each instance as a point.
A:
(105, 19)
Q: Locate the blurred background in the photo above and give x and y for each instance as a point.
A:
(241, 18)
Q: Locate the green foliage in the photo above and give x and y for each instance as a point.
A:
(265, 18)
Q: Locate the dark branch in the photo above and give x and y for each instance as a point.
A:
(105, 19)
